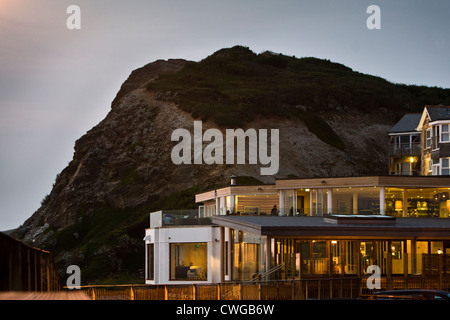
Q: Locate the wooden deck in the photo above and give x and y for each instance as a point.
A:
(52, 295)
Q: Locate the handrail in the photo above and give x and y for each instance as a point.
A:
(266, 273)
(289, 289)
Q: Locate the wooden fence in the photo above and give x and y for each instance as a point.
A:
(24, 268)
(331, 288)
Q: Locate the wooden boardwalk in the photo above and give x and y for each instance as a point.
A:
(52, 295)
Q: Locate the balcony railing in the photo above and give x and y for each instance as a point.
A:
(405, 150)
(166, 218)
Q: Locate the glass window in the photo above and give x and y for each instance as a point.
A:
(367, 254)
(320, 262)
(396, 250)
(304, 249)
(445, 166)
(421, 250)
(188, 261)
(365, 200)
(445, 133)
(394, 204)
(246, 255)
(150, 261)
(290, 207)
(436, 135)
(428, 138)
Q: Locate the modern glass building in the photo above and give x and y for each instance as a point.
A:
(329, 246)
(297, 228)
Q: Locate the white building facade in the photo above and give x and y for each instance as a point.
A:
(178, 251)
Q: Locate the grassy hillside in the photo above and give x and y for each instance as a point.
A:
(233, 86)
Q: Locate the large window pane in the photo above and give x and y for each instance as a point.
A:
(188, 261)
(395, 199)
(150, 261)
(320, 262)
(428, 202)
(364, 200)
(246, 255)
(397, 257)
(421, 251)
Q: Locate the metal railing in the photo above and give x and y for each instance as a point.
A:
(166, 218)
(265, 274)
(404, 150)
(304, 289)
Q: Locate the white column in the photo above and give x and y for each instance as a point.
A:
(330, 201)
(222, 259)
(233, 204)
(217, 206)
(223, 206)
(382, 201)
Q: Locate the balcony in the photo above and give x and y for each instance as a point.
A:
(401, 150)
(166, 218)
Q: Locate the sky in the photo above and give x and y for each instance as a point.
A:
(57, 83)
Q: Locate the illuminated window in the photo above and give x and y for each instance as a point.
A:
(188, 261)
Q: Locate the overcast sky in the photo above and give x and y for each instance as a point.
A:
(56, 83)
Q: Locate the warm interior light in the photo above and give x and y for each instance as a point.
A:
(398, 205)
(411, 159)
(448, 205)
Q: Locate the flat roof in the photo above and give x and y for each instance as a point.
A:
(321, 228)
(263, 189)
(366, 181)
(330, 182)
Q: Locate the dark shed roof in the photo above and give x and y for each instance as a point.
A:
(438, 113)
(408, 123)
(323, 227)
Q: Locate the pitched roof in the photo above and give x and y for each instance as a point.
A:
(408, 123)
(434, 113)
(438, 112)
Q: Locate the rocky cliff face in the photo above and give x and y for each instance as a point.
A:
(125, 161)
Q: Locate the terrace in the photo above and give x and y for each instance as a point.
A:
(167, 218)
